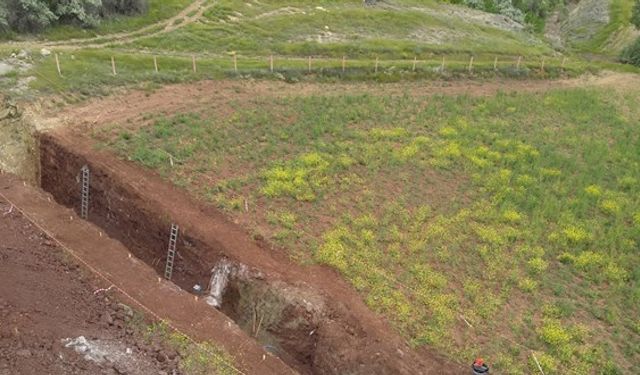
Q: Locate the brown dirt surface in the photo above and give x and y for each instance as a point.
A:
(132, 106)
(45, 298)
(65, 303)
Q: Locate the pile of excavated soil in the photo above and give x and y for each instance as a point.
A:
(46, 302)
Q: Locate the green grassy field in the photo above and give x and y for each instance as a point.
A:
(519, 213)
(89, 72)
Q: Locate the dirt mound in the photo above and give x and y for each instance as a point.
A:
(45, 299)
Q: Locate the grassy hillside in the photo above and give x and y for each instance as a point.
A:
(517, 213)
(333, 28)
(604, 38)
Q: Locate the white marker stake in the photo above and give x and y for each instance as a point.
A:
(155, 63)
(537, 363)
(415, 61)
(58, 65)
(271, 63)
(113, 66)
(519, 61)
(495, 64)
(471, 64)
(193, 61)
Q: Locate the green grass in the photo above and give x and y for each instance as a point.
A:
(88, 72)
(519, 212)
(195, 358)
(282, 27)
(158, 10)
(620, 16)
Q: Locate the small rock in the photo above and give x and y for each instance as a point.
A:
(172, 354)
(45, 52)
(107, 318)
(161, 357)
(23, 353)
(127, 310)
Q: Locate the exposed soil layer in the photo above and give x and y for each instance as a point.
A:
(308, 316)
(45, 297)
(132, 281)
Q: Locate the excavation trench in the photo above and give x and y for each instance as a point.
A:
(312, 333)
(276, 315)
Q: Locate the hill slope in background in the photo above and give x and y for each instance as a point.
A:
(598, 26)
(398, 27)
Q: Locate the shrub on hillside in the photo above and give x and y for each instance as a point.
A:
(631, 54)
(85, 13)
(28, 15)
(126, 7)
(4, 23)
(635, 17)
(35, 15)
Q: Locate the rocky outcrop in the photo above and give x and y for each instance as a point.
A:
(586, 20)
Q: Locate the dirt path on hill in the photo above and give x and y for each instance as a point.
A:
(187, 16)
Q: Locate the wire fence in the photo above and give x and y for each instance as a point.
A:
(119, 64)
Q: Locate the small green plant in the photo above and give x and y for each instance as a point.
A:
(631, 54)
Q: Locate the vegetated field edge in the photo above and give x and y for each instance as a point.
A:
(518, 212)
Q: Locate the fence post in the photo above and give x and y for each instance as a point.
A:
(155, 63)
(344, 63)
(193, 61)
(58, 65)
(113, 66)
(471, 64)
(495, 64)
(415, 61)
(519, 61)
(271, 63)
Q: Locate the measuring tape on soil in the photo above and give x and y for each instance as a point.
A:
(114, 285)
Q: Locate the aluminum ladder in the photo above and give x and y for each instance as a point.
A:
(84, 198)
(171, 252)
